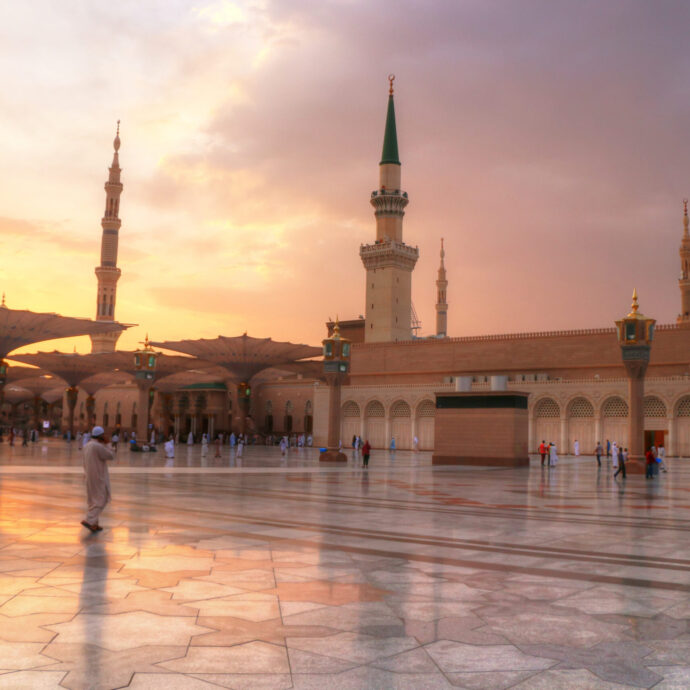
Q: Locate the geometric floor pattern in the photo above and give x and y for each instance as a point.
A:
(265, 572)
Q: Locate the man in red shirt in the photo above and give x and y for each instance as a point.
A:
(649, 470)
(542, 451)
(366, 452)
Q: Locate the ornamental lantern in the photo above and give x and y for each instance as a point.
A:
(336, 352)
(635, 333)
(145, 362)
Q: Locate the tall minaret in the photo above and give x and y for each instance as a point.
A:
(441, 304)
(108, 273)
(389, 261)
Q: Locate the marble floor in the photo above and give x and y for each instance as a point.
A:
(264, 572)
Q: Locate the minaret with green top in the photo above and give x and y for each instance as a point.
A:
(389, 262)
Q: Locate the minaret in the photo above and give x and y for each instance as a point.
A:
(108, 273)
(389, 262)
(441, 304)
(684, 280)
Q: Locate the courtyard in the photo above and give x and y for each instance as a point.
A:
(271, 572)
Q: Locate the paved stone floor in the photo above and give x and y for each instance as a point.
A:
(272, 573)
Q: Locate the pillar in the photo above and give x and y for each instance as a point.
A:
(71, 394)
(598, 429)
(532, 444)
(671, 437)
(564, 437)
(636, 371)
(387, 440)
(334, 413)
(143, 411)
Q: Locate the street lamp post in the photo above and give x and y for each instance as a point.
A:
(635, 333)
(145, 372)
(336, 365)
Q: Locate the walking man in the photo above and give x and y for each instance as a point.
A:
(543, 450)
(576, 448)
(598, 451)
(621, 461)
(366, 452)
(96, 456)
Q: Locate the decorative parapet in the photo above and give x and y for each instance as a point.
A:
(506, 336)
(388, 253)
(387, 203)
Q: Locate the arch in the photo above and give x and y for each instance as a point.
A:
(350, 409)
(401, 424)
(653, 406)
(400, 408)
(580, 407)
(374, 409)
(614, 413)
(683, 407)
(547, 408)
(350, 422)
(580, 412)
(614, 406)
(426, 408)
(547, 421)
(426, 421)
(375, 424)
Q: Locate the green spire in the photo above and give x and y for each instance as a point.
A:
(390, 136)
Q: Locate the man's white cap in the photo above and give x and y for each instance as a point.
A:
(97, 431)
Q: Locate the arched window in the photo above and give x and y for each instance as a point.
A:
(350, 409)
(374, 409)
(615, 407)
(426, 408)
(401, 409)
(683, 408)
(654, 407)
(547, 408)
(580, 407)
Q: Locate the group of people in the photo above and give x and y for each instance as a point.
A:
(548, 450)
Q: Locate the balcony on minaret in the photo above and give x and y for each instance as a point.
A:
(388, 252)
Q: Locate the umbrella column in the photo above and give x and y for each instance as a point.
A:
(336, 355)
(145, 372)
(71, 394)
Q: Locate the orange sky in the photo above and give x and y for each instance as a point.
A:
(544, 140)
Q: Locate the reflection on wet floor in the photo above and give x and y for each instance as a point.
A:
(274, 572)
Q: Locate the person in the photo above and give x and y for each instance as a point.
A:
(661, 458)
(553, 454)
(283, 445)
(649, 469)
(598, 451)
(190, 439)
(96, 456)
(415, 444)
(619, 460)
(543, 450)
(240, 445)
(218, 446)
(608, 448)
(366, 452)
(392, 445)
(169, 448)
(233, 440)
(354, 442)
(115, 439)
(576, 448)
(614, 455)
(204, 439)
(310, 440)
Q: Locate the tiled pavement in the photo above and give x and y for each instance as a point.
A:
(272, 573)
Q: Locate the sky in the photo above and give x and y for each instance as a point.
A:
(545, 140)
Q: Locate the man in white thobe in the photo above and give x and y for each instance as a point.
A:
(576, 447)
(96, 456)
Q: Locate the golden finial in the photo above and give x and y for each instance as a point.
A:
(336, 328)
(117, 134)
(391, 79)
(635, 306)
(3, 300)
(116, 141)
(443, 251)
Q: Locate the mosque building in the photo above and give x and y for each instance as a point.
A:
(575, 379)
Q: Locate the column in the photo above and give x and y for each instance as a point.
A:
(532, 445)
(564, 437)
(143, 411)
(671, 437)
(636, 416)
(598, 429)
(387, 440)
